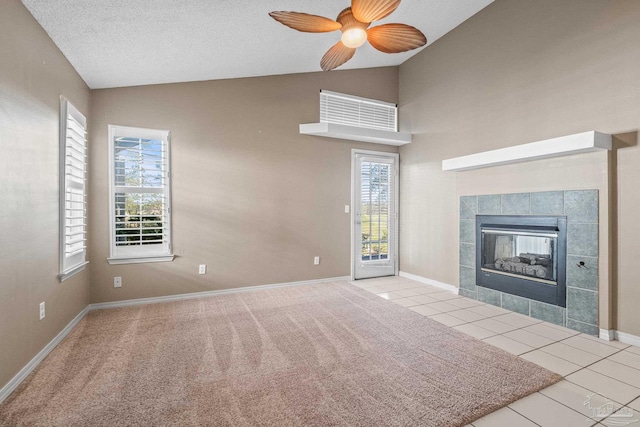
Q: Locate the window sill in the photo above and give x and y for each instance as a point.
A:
(140, 260)
(75, 270)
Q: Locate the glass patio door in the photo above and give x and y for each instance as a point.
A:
(375, 215)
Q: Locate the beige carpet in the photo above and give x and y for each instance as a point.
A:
(316, 355)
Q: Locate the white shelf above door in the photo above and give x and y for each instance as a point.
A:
(355, 133)
(584, 142)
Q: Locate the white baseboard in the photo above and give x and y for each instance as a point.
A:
(431, 282)
(181, 297)
(24, 372)
(607, 334)
(623, 337)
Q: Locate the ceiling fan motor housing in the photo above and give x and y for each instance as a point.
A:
(354, 32)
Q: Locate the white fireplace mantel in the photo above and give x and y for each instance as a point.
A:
(584, 142)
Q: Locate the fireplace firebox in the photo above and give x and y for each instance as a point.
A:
(523, 255)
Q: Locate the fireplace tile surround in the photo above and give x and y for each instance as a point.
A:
(581, 209)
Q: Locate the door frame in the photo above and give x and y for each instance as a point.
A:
(396, 204)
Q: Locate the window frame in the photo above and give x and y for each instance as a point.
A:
(136, 254)
(71, 265)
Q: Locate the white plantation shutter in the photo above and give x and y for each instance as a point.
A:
(73, 196)
(350, 110)
(140, 195)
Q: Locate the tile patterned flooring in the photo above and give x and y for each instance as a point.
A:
(598, 374)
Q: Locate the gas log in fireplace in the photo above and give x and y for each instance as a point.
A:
(523, 255)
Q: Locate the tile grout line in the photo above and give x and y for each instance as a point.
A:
(539, 321)
(578, 385)
(561, 403)
(548, 397)
(581, 386)
(465, 322)
(577, 333)
(588, 389)
(523, 416)
(539, 348)
(585, 367)
(618, 350)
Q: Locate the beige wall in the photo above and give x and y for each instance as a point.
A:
(252, 198)
(255, 200)
(33, 75)
(517, 72)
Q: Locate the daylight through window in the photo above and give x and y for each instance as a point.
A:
(140, 195)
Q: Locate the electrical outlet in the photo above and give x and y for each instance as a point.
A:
(202, 269)
(42, 310)
(117, 282)
(316, 260)
(347, 209)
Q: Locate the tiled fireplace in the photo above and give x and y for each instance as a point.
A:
(578, 210)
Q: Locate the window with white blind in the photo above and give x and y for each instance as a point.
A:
(140, 195)
(73, 195)
(343, 109)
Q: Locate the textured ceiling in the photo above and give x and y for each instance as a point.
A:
(115, 43)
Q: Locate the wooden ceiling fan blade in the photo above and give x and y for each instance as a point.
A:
(395, 38)
(305, 22)
(373, 10)
(336, 56)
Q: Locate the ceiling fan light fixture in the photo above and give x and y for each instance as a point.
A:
(387, 38)
(354, 37)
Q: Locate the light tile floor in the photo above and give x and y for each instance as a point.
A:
(598, 373)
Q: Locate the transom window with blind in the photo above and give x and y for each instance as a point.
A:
(343, 109)
(73, 190)
(140, 195)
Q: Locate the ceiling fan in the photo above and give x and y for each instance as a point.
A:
(354, 23)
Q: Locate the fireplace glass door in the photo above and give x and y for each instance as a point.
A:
(522, 253)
